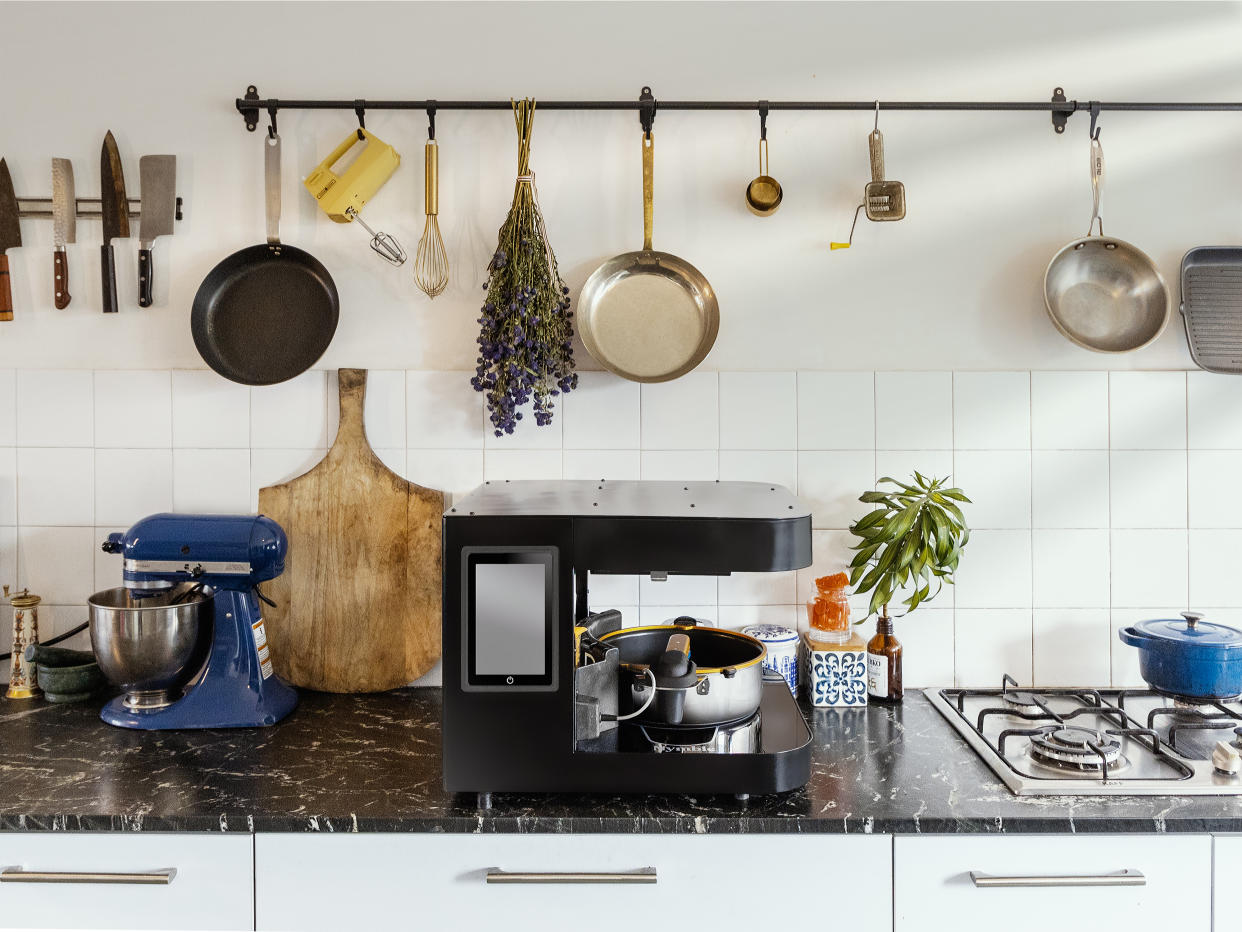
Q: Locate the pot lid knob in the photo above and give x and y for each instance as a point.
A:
(1192, 619)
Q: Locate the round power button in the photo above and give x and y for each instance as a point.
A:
(509, 680)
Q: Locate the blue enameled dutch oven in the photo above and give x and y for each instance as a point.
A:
(1188, 656)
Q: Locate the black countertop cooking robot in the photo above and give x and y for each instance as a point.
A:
(517, 555)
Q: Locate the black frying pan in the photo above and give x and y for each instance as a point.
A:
(267, 312)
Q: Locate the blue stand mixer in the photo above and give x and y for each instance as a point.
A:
(184, 637)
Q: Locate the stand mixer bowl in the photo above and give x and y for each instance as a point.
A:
(151, 646)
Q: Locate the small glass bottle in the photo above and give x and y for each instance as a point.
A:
(884, 663)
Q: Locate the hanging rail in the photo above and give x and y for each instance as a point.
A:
(1060, 108)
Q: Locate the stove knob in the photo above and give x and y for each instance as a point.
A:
(1226, 759)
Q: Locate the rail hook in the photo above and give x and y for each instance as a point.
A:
(360, 108)
(876, 127)
(1093, 131)
(646, 110)
(271, 115)
(431, 120)
(763, 120)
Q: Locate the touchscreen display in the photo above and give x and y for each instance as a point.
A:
(509, 622)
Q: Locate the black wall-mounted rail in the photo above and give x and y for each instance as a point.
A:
(251, 105)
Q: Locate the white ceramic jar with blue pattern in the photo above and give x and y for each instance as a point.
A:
(782, 645)
(836, 674)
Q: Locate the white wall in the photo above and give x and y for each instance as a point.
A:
(938, 320)
(956, 285)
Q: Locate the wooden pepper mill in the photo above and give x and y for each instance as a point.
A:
(23, 676)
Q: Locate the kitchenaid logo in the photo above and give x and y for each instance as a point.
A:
(325, 189)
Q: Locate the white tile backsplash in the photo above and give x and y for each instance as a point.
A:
(1069, 410)
(1072, 536)
(1214, 568)
(926, 646)
(442, 411)
(914, 410)
(1149, 567)
(998, 484)
(601, 413)
(601, 464)
(131, 484)
(452, 471)
(8, 407)
(779, 467)
(133, 410)
(1070, 568)
(683, 414)
(384, 411)
(211, 481)
(521, 464)
(992, 410)
(55, 486)
(995, 571)
(836, 410)
(830, 482)
(1147, 410)
(8, 486)
(1214, 411)
(209, 412)
(1069, 488)
(1148, 489)
(700, 465)
(758, 410)
(291, 415)
(1215, 489)
(55, 408)
(992, 641)
(58, 563)
(1071, 647)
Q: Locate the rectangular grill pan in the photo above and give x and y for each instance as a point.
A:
(1212, 306)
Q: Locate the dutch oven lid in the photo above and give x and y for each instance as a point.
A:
(1191, 631)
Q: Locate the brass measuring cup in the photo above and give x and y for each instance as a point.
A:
(763, 194)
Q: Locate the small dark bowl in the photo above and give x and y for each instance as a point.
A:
(70, 684)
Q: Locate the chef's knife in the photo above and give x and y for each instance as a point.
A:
(64, 227)
(158, 176)
(10, 236)
(115, 207)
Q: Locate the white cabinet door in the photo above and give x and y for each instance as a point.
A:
(1226, 869)
(1032, 881)
(210, 881)
(717, 882)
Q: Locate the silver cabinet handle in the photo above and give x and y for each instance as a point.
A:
(642, 875)
(1123, 878)
(17, 875)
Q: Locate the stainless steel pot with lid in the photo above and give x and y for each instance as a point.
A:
(720, 680)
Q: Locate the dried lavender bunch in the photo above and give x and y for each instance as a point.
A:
(526, 335)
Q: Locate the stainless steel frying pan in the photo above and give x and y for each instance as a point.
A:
(1103, 293)
(648, 316)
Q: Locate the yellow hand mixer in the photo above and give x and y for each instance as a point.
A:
(343, 195)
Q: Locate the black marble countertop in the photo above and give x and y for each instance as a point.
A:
(372, 764)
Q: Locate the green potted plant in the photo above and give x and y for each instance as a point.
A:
(913, 538)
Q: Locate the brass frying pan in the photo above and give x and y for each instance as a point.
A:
(648, 316)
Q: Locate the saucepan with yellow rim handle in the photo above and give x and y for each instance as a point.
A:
(719, 678)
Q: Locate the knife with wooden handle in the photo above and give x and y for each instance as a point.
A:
(10, 238)
(115, 208)
(64, 228)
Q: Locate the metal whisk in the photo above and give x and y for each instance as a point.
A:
(431, 265)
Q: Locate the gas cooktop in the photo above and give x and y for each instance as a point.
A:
(1099, 742)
